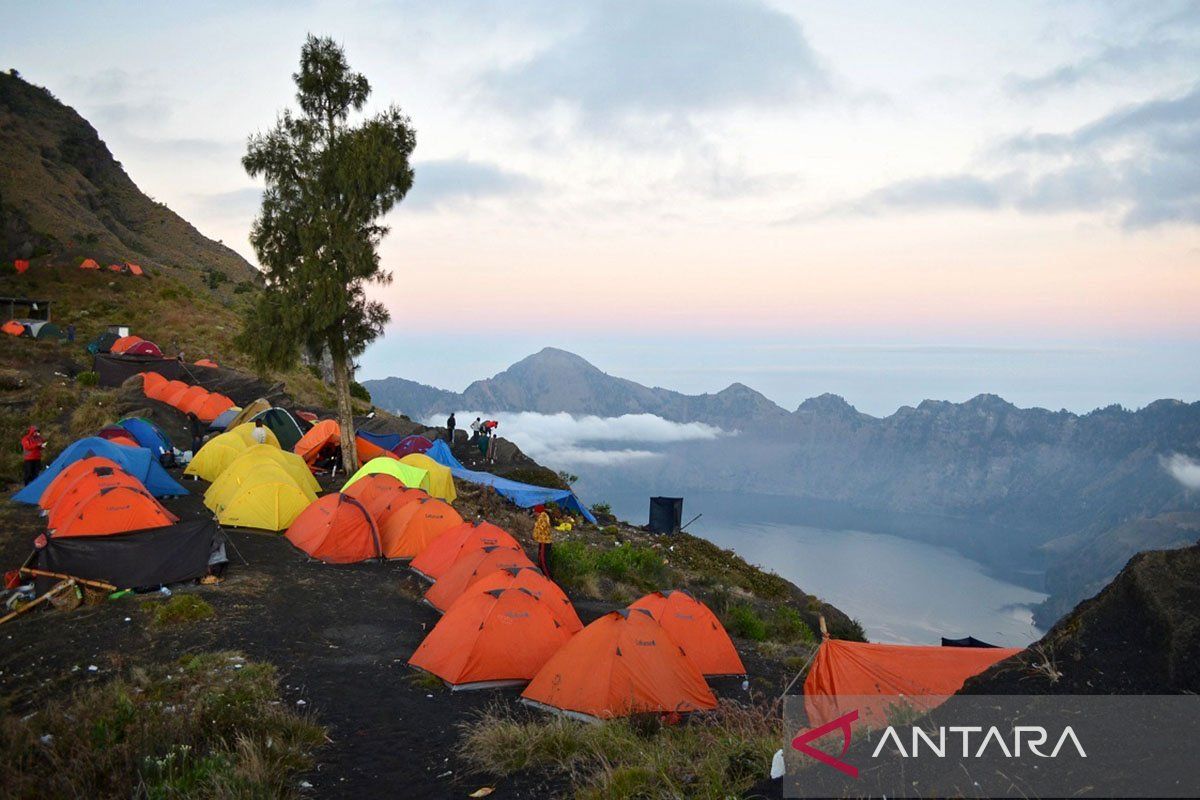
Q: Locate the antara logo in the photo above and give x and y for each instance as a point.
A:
(843, 724)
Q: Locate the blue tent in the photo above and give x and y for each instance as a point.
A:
(137, 461)
(148, 435)
(525, 495)
(223, 419)
(388, 441)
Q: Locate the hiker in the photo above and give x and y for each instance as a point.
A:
(491, 447)
(32, 443)
(476, 427)
(197, 430)
(451, 424)
(260, 432)
(71, 332)
(544, 536)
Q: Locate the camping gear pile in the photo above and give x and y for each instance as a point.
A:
(253, 485)
(189, 399)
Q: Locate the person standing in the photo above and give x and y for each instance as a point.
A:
(71, 332)
(451, 424)
(476, 427)
(197, 431)
(491, 446)
(543, 534)
(32, 443)
(260, 432)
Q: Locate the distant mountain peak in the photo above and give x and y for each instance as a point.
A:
(825, 404)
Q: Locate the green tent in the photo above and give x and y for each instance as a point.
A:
(285, 427)
(410, 476)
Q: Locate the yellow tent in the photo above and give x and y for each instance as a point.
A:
(249, 412)
(267, 499)
(220, 451)
(410, 476)
(441, 482)
(253, 459)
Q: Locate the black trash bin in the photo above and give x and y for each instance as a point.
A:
(666, 514)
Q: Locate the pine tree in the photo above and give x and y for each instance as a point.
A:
(328, 183)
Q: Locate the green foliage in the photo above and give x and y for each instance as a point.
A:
(215, 278)
(537, 476)
(359, 392)
(576, 564)
(602, 509)
(243, 287)
(567, 477)
(786, 625)
(179, 609)
(742, 620)
(88, 378)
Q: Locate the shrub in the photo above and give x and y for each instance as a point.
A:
(358, 391)
(742, 620)
(602, 509)
(637, 565)
(786, 625)
(574, 562)
(88, 378)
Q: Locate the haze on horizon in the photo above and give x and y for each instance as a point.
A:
(890, 202)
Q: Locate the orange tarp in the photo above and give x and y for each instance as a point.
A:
(72, 472)
(89, 263)
(469, 569)
(623, 663)
(114, 510)
(696, 629)
(491, 638)
(871, 677)
(435, 559)
(382, 495)
(87, 486)
(532, 580)
(124, 343)
(411, 528)
(336, 529)
(327, 432)
(13, 328)
(212, 406)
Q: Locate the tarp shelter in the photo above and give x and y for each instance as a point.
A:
(438, 557)
(251, 410)
(412, 444)
(468, 569)
(117, 434)
(336, 529)
(621, 664)
(382, 495)
(532, 580)
(696, 629)
(495, 638)
(441, 482)
(256, 458)
(13, 328)
(411, 528)
(113, 509)
(148, 435)
(137, 461)
(113, 369)
(144, 348)
(521, 494)
(124, 343)
(207, 362)
(89, 263)
(966, 641)
(285, 427)
(223, 419)
(72, 472)
(221, 450)
(268, 499)
(142, 559)
(407, 474)
(325, 435)
(83, 487)
(388, 441)
(874, 677)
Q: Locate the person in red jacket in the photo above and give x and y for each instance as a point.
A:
(32, 443)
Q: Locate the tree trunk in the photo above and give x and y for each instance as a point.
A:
(341, 381)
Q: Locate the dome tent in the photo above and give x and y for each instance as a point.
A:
(382, 495)
(148, 435)
(118, 435)
(268, 499)
(220, 451)
(532, 580)
(441, 482)
(470, 568)
(407, 474)
(115, 509)
(257, 459)
(73, 472)
(696, 629)
(336, 529)
(411, 528)
(325, 437)
(86, 485)
(441, 554)
(137, 461)
(500, 637)
(621, 664)
(283, 425)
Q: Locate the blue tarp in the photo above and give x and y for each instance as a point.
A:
(148, 435)
(388, 441)
(525, 495)
(137, 461)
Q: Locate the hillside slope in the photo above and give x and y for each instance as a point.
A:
(64, 197)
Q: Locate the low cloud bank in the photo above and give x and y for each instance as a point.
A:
(1183, 469)
(567, 440)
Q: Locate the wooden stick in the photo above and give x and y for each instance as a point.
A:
(41, 573)
(58, 589)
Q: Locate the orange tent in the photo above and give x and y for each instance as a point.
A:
(13, 328)
(382, 495)
(496, 638)
(696, 629)
(532, 580)
(172, 391)
(118, 435)
(623, 663)
(116, 267)
(191, 400)
(116, 509)
(206, 362)
(212, 407)
(134, 268)
(21, 265)
(124, 343)
(336, 529)
(89, 263)
(435, 559)
(153, 384)
(71, 473)
(469, 569)
(88, 485)
(327, 433)
(872, 677)
(409, 529)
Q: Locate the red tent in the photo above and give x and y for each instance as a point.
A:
(143, 348)
(21, 265)
(116, 267)
(89, 263)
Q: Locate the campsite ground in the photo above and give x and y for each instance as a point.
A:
(340, 637)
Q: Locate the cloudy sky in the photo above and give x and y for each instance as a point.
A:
(890, 201)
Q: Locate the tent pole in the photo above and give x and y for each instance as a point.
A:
(803, 667)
